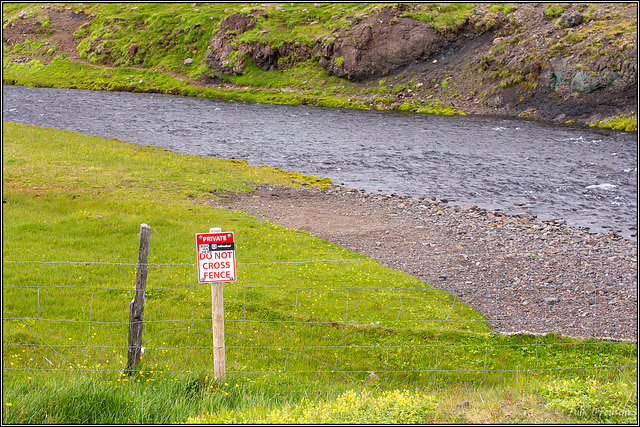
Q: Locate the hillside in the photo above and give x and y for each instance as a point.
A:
(561, 62)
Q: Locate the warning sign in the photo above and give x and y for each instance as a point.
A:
(216, 257)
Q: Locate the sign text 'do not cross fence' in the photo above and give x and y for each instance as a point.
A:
(216, 257)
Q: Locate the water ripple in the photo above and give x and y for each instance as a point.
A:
(586, 176)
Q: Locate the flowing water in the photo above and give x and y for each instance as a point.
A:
(586, 177)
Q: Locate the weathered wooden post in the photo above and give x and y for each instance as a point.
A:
(136, 307)
(217, 319)
(216, 265)
(217, 314)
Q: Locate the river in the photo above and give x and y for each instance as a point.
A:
(586, 177)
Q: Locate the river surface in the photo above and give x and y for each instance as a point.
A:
(585, 177)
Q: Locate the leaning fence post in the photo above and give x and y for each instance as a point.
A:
(136, 307)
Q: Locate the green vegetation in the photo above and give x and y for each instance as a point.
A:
(162, 47)
(531, 401)
(624, 123)
(553, 11)
(196, 399)
(62, 72)
(593, 400)
(444, 17)
(428, 107)
(73, 399)
(292, 327)
(351, 407)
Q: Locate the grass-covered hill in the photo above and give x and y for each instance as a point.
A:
(566, 62)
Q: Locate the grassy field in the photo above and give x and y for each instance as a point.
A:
(305, 323)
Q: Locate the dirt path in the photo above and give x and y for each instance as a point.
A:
(523, 274)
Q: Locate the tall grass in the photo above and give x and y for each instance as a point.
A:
(78, 399)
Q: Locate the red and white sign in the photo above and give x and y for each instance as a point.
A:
(216, 257)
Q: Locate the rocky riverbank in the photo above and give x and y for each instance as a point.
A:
(523, 274)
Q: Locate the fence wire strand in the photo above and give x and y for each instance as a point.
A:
(246, 344)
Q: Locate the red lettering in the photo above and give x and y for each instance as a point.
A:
(215, 271)
(216, 265)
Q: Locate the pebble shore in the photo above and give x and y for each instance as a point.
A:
(525, 275)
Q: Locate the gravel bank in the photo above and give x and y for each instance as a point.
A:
(523, 274)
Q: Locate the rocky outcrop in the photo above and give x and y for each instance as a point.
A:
(229, 56)
(565, 75)
(373, 47)
(584, 91)
(222, 55)
(570, 20)
(380, 45)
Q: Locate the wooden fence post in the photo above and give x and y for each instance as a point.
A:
(217, 316)
(217, 310)
(136, 307)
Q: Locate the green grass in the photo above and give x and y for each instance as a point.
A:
(253, 86)
(593, 400)
(294, 329)
(78, 400)
(194, 398)
(553, 11)
(444, 17)
(525, 399)
(624, 123)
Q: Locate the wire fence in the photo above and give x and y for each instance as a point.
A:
(298, 336)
